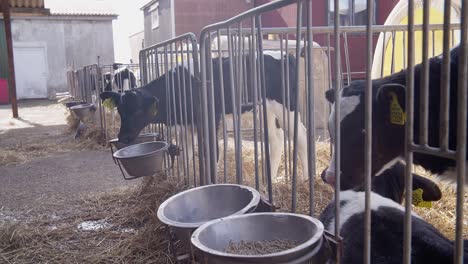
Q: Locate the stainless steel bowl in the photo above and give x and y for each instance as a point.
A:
(73, 103)
(82, 110)
(140, 139)
(143, 159)
(213, 237)
(186, 211)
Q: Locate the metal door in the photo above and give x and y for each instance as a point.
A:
(31, 71)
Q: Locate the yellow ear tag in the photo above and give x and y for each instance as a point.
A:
(109, 104)
(418, 200)
(154, 109)
(397, 115)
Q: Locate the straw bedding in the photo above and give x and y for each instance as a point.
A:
(260, 247)
(132, 233)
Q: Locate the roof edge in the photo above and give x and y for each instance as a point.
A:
(148, 4)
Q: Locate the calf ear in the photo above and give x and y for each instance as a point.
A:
(330, 95)
(115, 97)
(431, 192)
(392, 98)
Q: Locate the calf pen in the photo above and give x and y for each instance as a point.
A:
(248, 39)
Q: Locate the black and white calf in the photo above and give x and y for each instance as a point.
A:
(388, 137)
(387, 224)
(134, 106)
(123, 79)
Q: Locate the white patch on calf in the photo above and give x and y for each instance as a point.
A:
(389, 165)
(126, 84)
(277, 110)
(347, 105)
(355, 204)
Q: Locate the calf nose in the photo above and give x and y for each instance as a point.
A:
(328, 177)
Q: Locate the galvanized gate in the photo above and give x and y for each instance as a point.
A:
(170, 59)
(246, 79)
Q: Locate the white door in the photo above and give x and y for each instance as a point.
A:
(30, 71)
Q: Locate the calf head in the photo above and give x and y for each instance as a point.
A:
(136, 110)
(387, 131)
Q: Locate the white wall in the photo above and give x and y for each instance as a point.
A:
(70, 42)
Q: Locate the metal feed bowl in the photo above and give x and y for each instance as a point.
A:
(186, 211)
(140, 139)
(213, 237)
(143, 159)
(82, 110)
(73, 103)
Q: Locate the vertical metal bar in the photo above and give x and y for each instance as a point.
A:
(192, 123)
(233, 93)
(211, 116)
(296, 107)
(283, 97)
(383, 56)
(409, 135)
(392, 70)
(207, 140)
(185, 129)
(368, 136)
(337, 150)
(254, 86)
(445, 82)
(265, 118)
(461, 133)
(223, 108)
(424, 92)
(178, 93)
(173, 101)
(288, 103)
(310, 110)
(348, 66)
(239, 87)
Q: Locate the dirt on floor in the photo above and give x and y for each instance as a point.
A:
(43, 168)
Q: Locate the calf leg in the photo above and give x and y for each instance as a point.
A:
(278, 108)
(275, 140)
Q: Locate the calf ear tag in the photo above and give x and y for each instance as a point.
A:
(154, 108)
(397, 115)
(418, 200)
(109, 104)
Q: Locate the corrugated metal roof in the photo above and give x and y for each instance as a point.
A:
(80, 7)
(27, 3)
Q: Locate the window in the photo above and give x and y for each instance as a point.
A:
(354, 16)
(154, 13)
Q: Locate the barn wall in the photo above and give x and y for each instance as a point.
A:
(70, 42)
(192, 16)
(164, 31)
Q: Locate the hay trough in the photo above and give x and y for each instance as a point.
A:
(188, 210)
(260, 238)
(83, 110)
(143, 159)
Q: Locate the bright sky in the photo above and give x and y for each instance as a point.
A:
(129, 21)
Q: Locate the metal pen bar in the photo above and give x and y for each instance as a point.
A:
(223, 108)
(185, 122)
(461, 133)
(337, 150)
(409, 135)
(178, 93)
(296, 109)
(283, 97)
(368, 136)
(211, 116)
(233, 94)
(173, 123)
(311, 155)
(258, 23)
(206, 137)
(254, 86)
(288, 103)
(445, 81)
(424, 92)
(192, 123)
(240, 74)
(448, 154)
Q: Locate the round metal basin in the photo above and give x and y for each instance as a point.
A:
(140, 139)
(82, 110)
(214, 237)
(73, 103)
(186, 211)
(143, 159)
